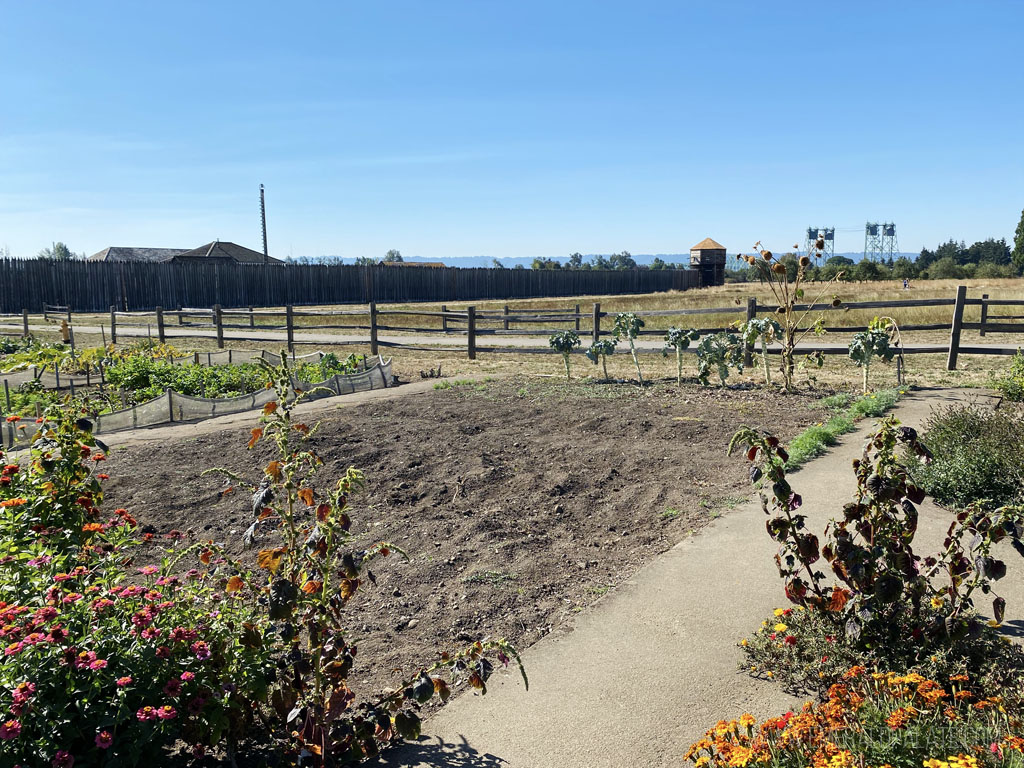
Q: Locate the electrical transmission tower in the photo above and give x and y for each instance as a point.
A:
(880, 241)
(828, 234)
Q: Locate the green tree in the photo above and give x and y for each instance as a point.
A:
(575, 261)
(57, 252)
(366, 261)
(495, 264)
(392, 257)
(945, 268)
(904, 268)
(658, 263)
(1018, 244)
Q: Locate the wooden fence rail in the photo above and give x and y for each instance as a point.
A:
(472, 323)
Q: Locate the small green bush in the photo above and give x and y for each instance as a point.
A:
(977, 457)
(1012, 385)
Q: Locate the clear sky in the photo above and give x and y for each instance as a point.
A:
(514, 128)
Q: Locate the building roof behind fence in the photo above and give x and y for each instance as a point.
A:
(151, 255)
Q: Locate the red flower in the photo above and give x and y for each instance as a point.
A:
(790, 640)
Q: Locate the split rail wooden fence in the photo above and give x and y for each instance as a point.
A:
(366, 325)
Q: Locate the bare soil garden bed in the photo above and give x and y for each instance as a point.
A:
(519, 501)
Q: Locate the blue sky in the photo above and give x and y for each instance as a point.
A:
(449, 129)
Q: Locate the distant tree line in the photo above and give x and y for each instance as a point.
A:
(623, 260)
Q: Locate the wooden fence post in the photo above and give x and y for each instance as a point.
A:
(289, 325)
(954, 331)
(748, 357)
(505, 321)
(597, 322)
(179, 315)
(113, 325)
(444, 319)
(577, 317)
(471, 332)
(984, 313)
(218, 319)
(252, 319)
(160, 324)
(373, 328)
(24, 322)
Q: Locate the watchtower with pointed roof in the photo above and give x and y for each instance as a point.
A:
(708, 258)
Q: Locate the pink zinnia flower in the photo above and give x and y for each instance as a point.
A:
(201, 650)
(173, 687)
(187, 677)
(10, 730)
(98, 664)
(104, 739)
(148, 570)
(166, 712)
(63, 759)
(124, 681)
(146, 713)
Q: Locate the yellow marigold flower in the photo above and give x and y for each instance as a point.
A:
(780, 611)
(743, 642)
(933, 763)
(938, 602)
(747, 720)
(702, 760)
(780, 627)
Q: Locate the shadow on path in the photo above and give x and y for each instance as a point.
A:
(437, 752)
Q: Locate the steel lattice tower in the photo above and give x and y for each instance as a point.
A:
(828, 234)
(880, 241)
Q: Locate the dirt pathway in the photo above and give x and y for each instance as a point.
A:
(654, 664)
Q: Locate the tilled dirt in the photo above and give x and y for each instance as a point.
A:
(519, 501)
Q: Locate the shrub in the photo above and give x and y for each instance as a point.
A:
(1012, 385)
(601, 349)
(878, 719)
(977, 457)
(565, 342)
(106, 664)
(719, 353)
(627, 324)
(883, 585)
(679, 339)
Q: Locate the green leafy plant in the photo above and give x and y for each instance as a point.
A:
(564, 343)
(600, 350)
(312, 574)
(328, 366)
(883, 584)
(718, 353)
(872, 343)
(765, 329)
(628, 325)
(1012, 385)
(143, 378)
(679, 339)
(107, 663)
(787, 286)
(977, 456)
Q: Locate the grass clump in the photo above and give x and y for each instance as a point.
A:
(977, 457)
(847, 410)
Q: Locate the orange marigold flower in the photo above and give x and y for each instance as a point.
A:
(13, 502)
(91, 527)
(901, 717)
(854, 672)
